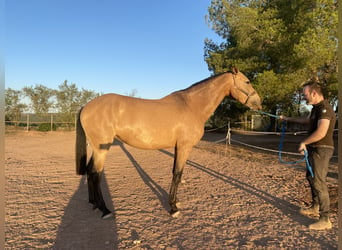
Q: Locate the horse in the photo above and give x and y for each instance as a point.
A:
(174, 121)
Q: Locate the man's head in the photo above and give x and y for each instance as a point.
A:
(313, 93)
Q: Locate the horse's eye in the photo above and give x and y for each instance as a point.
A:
(248, 82)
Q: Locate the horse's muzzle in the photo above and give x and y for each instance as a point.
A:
(254, 102)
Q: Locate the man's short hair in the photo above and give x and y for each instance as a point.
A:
(314, 86)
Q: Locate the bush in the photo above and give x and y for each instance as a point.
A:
(45, 127)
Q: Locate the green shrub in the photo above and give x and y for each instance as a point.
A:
(45, 127)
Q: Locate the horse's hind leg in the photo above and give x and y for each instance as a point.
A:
(94, 175)
(91, 193)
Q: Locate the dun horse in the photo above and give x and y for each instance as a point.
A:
(177, 121)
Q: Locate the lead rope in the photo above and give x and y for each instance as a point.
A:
(306, 155)
(281, 143)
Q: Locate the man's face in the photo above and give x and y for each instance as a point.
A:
(309, 97)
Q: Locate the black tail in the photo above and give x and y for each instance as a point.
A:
(81, 147)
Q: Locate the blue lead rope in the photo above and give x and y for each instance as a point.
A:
(265, 113)
(306, 155)
(281, 147)
(308, 166)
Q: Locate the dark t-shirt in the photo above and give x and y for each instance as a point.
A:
(323, 110)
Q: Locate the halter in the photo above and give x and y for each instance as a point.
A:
(243, 91)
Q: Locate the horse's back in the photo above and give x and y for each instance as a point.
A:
(130, 106)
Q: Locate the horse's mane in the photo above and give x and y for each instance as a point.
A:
(199, 83)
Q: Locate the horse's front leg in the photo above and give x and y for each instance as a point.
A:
(177, 175)
(94, 175)
(179, 161)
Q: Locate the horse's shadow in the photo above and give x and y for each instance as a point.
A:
(81, 227)
(284, 206)
(155, 188)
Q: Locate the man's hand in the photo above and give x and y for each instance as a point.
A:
(302, 148)
(283, 117)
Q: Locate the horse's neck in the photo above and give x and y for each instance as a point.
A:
(205, 97)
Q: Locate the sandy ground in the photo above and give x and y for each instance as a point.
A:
(231, 198)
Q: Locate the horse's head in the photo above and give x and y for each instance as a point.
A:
(243, 91)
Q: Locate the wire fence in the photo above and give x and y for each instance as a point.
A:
(48, 122)
(57, 121)
(54, 122)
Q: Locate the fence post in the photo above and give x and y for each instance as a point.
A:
(246, 122)
(228, 133)
(51, 122)
(27, 123)
(252, 122)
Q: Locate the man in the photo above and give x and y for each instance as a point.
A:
(320, 147)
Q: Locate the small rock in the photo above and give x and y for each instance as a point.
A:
(136, 242)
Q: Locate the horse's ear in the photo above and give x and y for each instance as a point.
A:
(235, 70)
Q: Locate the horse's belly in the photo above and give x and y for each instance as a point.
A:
(147, 140)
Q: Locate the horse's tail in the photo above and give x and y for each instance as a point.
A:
(81, 147)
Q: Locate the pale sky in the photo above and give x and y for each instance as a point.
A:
(155, 47)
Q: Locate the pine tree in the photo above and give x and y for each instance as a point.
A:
(278, 44)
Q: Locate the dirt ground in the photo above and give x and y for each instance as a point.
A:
(231, 197)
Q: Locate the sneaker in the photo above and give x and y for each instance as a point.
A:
(322, 224)
(313, 211)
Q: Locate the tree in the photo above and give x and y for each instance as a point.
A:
(69, 100)
(13, 106)
(225, 112)
(67, 97)
(278, 44)
(40, 97)
(133, 93)
(86, 96)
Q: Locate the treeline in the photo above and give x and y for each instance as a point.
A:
(279, 45)
(41, 100)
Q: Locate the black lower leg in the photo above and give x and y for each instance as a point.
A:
(95, 193)
(91, 189)
(173, 192)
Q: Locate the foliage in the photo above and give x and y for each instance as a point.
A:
(133, 93)
(40, 97)
(66, 100)
(13, 106)
(45, 127)
(278, 44)
(70, 99)
(225, 112)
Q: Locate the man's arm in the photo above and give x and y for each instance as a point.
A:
(301, 120)
(318, 134)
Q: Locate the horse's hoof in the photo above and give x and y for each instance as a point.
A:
(107, 216)
(174, 214)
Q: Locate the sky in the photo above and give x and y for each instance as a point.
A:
(108, 46)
